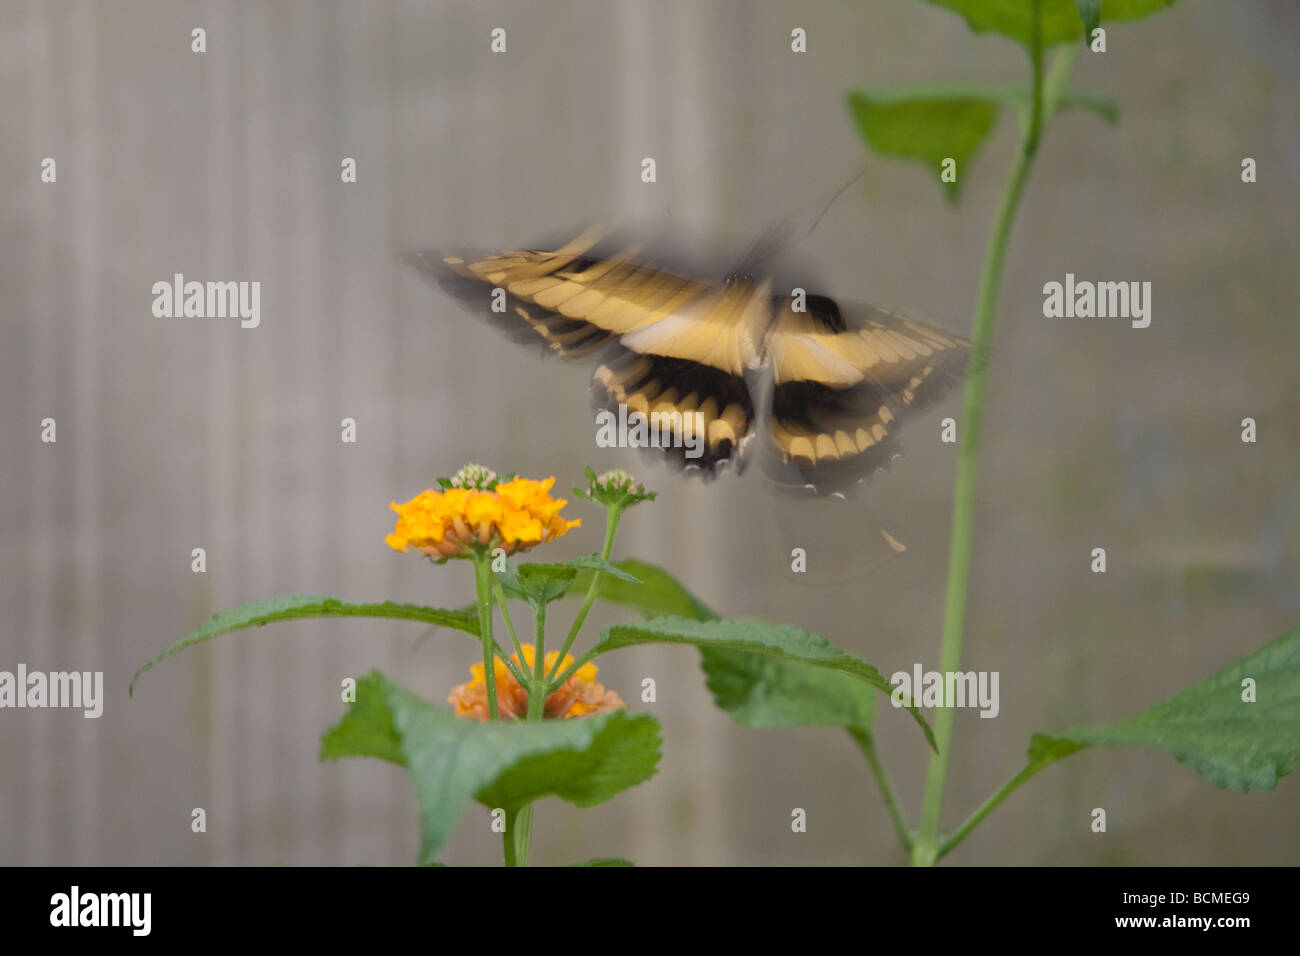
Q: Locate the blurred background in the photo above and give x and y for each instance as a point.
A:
(182, 433)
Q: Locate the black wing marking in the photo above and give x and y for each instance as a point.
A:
(842, 388)
(675, 348)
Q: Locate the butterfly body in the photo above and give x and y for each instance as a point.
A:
(746, 358)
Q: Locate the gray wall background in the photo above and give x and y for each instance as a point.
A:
(175, 433)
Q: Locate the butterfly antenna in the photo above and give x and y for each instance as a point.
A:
(423, 636)
(764, 249)
(839, 192)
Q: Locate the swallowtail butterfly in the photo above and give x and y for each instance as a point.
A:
(818, 390)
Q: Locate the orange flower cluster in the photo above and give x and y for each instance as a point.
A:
(514, 515)
(579, 696)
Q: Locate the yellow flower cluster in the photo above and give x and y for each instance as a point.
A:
(514, 515)
(579, 696)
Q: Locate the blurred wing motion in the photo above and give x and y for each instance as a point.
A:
(683, 351)
(840, 388)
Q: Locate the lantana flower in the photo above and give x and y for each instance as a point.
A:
(476, 508)
(579, 696)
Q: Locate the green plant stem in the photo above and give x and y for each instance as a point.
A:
(926, 850)
(572, 669)
(1036, 60)
(988, 805)
(613, 514)
(537, 688)
(508, 839)
(867, 745)
(510, 625)
(523, 825)
(1054, 84)
(483, 591)
(504, 657)
(515, 672)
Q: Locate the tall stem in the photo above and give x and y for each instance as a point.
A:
(612, 516)
(925, 851)
(483, 589)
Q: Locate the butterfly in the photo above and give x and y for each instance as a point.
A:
(747, 362)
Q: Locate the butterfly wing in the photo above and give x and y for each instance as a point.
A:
(841, 388)
(503, 287)
(672, 348)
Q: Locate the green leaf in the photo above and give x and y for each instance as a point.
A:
(654, 593)
(540, 584)
(753, 637)
(594, 562)
(932, 122)
(606, 861)
(453, 760)
(1231, 743)
(1059, 19)
(258, 613)
(366, 729)
(1090, 14)
(926, 128)
(756, 690)
(1018, 96)
(761, 691)
(1104, 106)
(1044, 749)
(622, 752)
